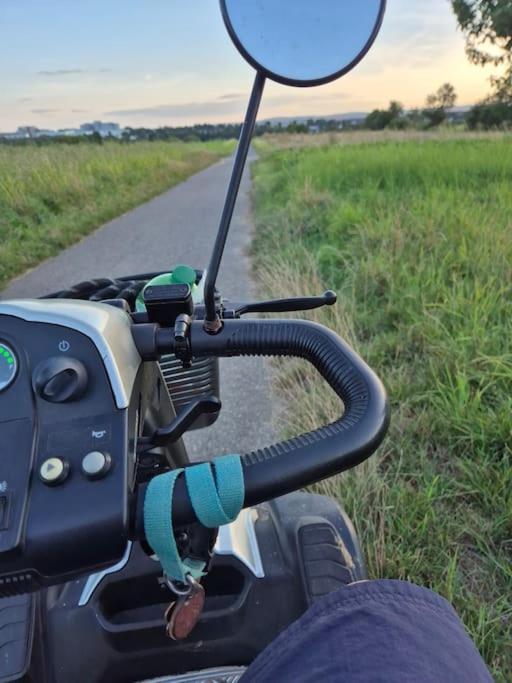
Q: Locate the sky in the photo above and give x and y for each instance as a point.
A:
(171, 62)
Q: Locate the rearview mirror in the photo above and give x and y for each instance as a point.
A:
(303, 42)
(295, 42)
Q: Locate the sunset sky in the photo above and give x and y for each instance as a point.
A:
(169, 62)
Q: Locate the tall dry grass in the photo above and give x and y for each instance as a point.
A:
(417, 239)
(271, 142)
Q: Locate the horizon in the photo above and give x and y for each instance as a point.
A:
(54, 76)
(290, 119)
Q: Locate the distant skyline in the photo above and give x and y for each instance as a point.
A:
(164, 62)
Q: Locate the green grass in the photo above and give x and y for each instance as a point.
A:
(417, 239)
(51, 196)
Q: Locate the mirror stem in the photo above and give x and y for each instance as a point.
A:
(212, 322)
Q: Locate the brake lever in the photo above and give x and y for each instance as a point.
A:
(328, 298)
(175, 430)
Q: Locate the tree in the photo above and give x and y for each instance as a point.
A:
(396, 109)
(383, 118)
(490, 115)
(376, 120)
(487, 26)
(415, 118)
(295, 127)
(438, 105)
(446, 96)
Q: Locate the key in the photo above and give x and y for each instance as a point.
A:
(183, 614)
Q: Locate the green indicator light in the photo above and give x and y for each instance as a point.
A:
(8, 367)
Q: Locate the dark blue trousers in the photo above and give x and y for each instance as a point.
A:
(377, 631)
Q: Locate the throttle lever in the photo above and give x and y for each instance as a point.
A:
(175, 430)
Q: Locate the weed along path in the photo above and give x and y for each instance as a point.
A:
(179, 226)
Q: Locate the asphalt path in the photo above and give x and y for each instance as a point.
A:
(179, 226)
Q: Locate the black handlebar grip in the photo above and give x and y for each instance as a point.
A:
(311, 457)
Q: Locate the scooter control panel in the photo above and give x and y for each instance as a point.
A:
(66, 448)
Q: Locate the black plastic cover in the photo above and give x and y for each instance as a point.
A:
(51, 533)
(119, 635)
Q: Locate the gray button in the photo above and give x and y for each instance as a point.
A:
(96, 464)
(53, 471)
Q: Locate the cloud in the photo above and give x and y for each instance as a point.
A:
(300, 96)
(69, 72)
(80, 111)
(60, 72)
(25, 99)
(232, 96)
(204, 109)
(44, 111)
(226, 105)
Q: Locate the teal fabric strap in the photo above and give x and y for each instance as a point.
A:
(217, 498)
(159, 530)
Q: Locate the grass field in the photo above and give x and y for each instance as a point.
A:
(416, 236)
(53, 195)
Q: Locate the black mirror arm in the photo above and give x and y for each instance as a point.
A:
(212, 323)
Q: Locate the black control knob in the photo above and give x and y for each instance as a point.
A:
(60, 379)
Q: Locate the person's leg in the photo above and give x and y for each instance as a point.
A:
(373, 631)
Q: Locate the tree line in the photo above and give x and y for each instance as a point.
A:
(439, 109)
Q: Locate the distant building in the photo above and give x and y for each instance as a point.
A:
(10, 136)
(104, 129)
(351, 123)
(68, 132)
(457, 115)
(27, 132)
(31, 132)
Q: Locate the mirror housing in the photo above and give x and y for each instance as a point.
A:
(303, 42)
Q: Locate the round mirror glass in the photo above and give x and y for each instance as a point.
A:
(303, 42)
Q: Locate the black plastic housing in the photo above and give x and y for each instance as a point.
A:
(164, 303)
(119, 635)
(46, 531)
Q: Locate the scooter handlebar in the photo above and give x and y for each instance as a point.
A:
(306, 459)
